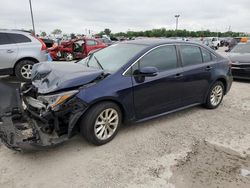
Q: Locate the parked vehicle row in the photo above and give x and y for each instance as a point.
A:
(240, 57)
(126, 82)
(75, 49)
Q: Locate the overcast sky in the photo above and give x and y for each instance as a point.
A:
(123, 15)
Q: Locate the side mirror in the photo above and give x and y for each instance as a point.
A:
(148, 71)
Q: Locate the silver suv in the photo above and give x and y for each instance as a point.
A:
(19, 51)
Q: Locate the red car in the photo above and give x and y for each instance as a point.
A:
(75, 49)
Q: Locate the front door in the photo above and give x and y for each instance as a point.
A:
(8, 52)
(161, 93)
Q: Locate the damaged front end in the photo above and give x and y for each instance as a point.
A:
(40, 121)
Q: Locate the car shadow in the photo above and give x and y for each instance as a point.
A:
(9, 79)
(241, 80)
(8, 88)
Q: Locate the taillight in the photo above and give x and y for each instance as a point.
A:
(44, 47)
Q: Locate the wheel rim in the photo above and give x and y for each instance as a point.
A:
(106, 124)
(26, 71)
(216, 95)
(69, 57)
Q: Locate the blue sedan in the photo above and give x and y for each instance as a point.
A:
(126, 82)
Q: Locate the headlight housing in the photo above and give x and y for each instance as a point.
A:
(53, 101)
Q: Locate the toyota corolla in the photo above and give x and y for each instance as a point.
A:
(127, 82)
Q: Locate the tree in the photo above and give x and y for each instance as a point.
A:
(72, 36)
(43, 34)
(176, 33)
(107, 31)
(57, 32)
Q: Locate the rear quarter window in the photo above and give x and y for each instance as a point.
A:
(18, 38)
(206, 55)
(214, 57)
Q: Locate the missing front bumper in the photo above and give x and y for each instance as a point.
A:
(25, 130)
(21, 133)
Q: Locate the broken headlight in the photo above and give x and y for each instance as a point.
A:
(53, 101)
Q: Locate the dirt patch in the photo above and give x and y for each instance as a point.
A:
(207, 165)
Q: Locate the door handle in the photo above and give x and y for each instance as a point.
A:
(208, 68)
(10, 51)
(178, 76)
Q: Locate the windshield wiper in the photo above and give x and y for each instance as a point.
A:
(89, 60)
(98, 62)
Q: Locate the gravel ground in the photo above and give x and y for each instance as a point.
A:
(192, 148)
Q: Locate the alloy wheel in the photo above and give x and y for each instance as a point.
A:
(26, 71)
(106, 124)
(216, 95)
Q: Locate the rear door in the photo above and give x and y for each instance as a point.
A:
(161, 93)
(197, 72)
(8, 51)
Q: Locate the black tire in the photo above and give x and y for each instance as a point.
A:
(68, 56)
(87, 124)
(19, 68)
(209, 103)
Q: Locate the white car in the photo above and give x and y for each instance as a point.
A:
(19, 51)
(216, 42)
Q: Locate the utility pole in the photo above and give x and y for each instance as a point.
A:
(31, 12)
(177, 19)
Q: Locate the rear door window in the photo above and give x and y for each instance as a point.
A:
(18, 38)
(191, 55)
(4, 39)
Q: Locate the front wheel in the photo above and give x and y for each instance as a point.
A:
(101, 123)
(215, 95)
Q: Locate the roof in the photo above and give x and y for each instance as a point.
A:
(15, 31)
(155, 42)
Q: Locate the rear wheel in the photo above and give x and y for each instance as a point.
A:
(101, 123)
(23, 70)
(215, 95)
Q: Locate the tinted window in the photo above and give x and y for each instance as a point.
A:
(18, 38)
(206, 55)
(4, 39)
(163, 58)
(241, 48)
(91, 43)
(191, 55)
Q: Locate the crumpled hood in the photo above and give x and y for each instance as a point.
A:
(53, 76)
(240, 57)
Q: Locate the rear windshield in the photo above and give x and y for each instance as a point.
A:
(241, 48)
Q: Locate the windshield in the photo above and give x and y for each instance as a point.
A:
(241, 48)
(113, 57)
